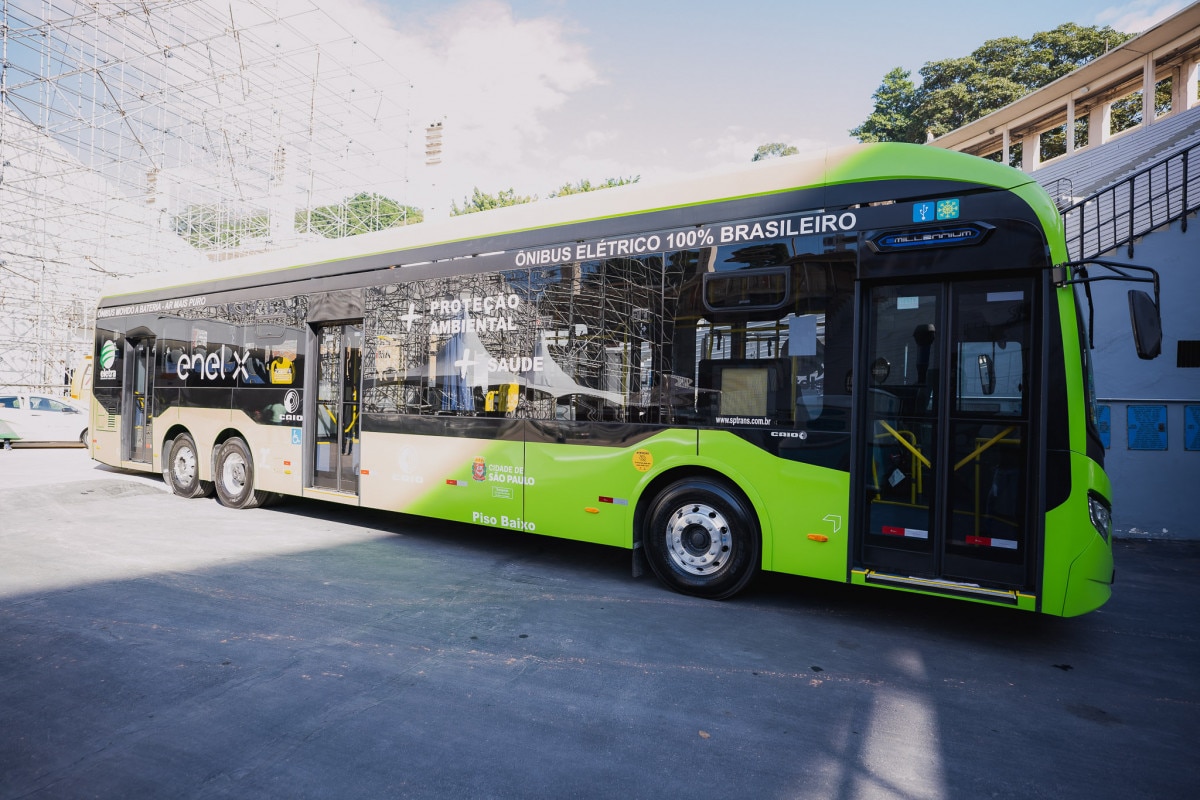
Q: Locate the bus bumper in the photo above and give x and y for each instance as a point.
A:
(1089, 585)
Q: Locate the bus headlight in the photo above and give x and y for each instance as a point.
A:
(1101, 516)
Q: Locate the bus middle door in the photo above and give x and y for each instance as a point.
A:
(336, 455)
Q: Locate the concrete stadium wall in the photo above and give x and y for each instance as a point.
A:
(1155, 490)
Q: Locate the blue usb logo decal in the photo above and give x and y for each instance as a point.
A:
(936, 210)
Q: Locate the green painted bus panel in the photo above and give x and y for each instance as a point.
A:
(794, 500)
(1090, 583)
(458, 479)
(1072, 540)
(1061, 544)
(1049, 216)
(1074, 371)
(894, 161)
(589, 493)
(898, 161)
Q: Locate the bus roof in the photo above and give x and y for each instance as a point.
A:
(837, 166)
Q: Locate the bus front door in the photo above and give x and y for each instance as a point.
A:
(138, 437)
(337, 450)
(943, 490)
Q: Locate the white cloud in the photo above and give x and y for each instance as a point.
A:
(491, 77)
(593, 140)
(1138, 15)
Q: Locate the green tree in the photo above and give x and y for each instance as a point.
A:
(1127, 112)
(364, 212)
(585, 185)
(213, 226)
(773, 150)
(895, 104)
(956, 91)
(482, 201)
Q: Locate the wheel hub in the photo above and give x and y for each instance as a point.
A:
(698, 539)
(185, 466)
(235, 472)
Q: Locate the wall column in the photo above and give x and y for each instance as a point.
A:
(1100, 124)
(1191, 78)
(1070, 125)
(1148, 90)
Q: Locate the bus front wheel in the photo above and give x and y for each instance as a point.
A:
(233, 472)
(181, 469)
(702, 538)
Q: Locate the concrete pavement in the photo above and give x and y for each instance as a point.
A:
(158, 647)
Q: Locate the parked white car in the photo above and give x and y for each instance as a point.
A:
(42, 418)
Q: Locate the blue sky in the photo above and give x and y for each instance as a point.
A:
(536, 93)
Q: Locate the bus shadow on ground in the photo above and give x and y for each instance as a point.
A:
(1141, 564)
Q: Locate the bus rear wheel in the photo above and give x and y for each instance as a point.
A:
(181, 469)
(233, 473)
(701, 538)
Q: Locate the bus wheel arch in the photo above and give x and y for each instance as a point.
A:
(233, 474)
(699, 532)
(181, 465)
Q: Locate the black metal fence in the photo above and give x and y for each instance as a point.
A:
(1157, 195)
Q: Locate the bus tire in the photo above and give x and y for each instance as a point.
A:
(233, 474)
(181, 469)
(702, 538)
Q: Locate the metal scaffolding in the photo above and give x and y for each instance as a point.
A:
(159, 134)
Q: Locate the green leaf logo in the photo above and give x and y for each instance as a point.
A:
(108, 354)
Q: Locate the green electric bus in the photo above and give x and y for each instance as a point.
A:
(868, 367)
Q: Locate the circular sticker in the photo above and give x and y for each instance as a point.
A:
(643, 461)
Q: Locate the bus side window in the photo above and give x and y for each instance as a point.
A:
(170, 364)
(599, 351)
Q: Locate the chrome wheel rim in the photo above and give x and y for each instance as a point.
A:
(183, 466)
(233, 473)
(698, 539)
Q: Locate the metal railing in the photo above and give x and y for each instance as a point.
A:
(1166, 191)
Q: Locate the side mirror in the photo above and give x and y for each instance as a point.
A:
(987, 374)
(1147, 324)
